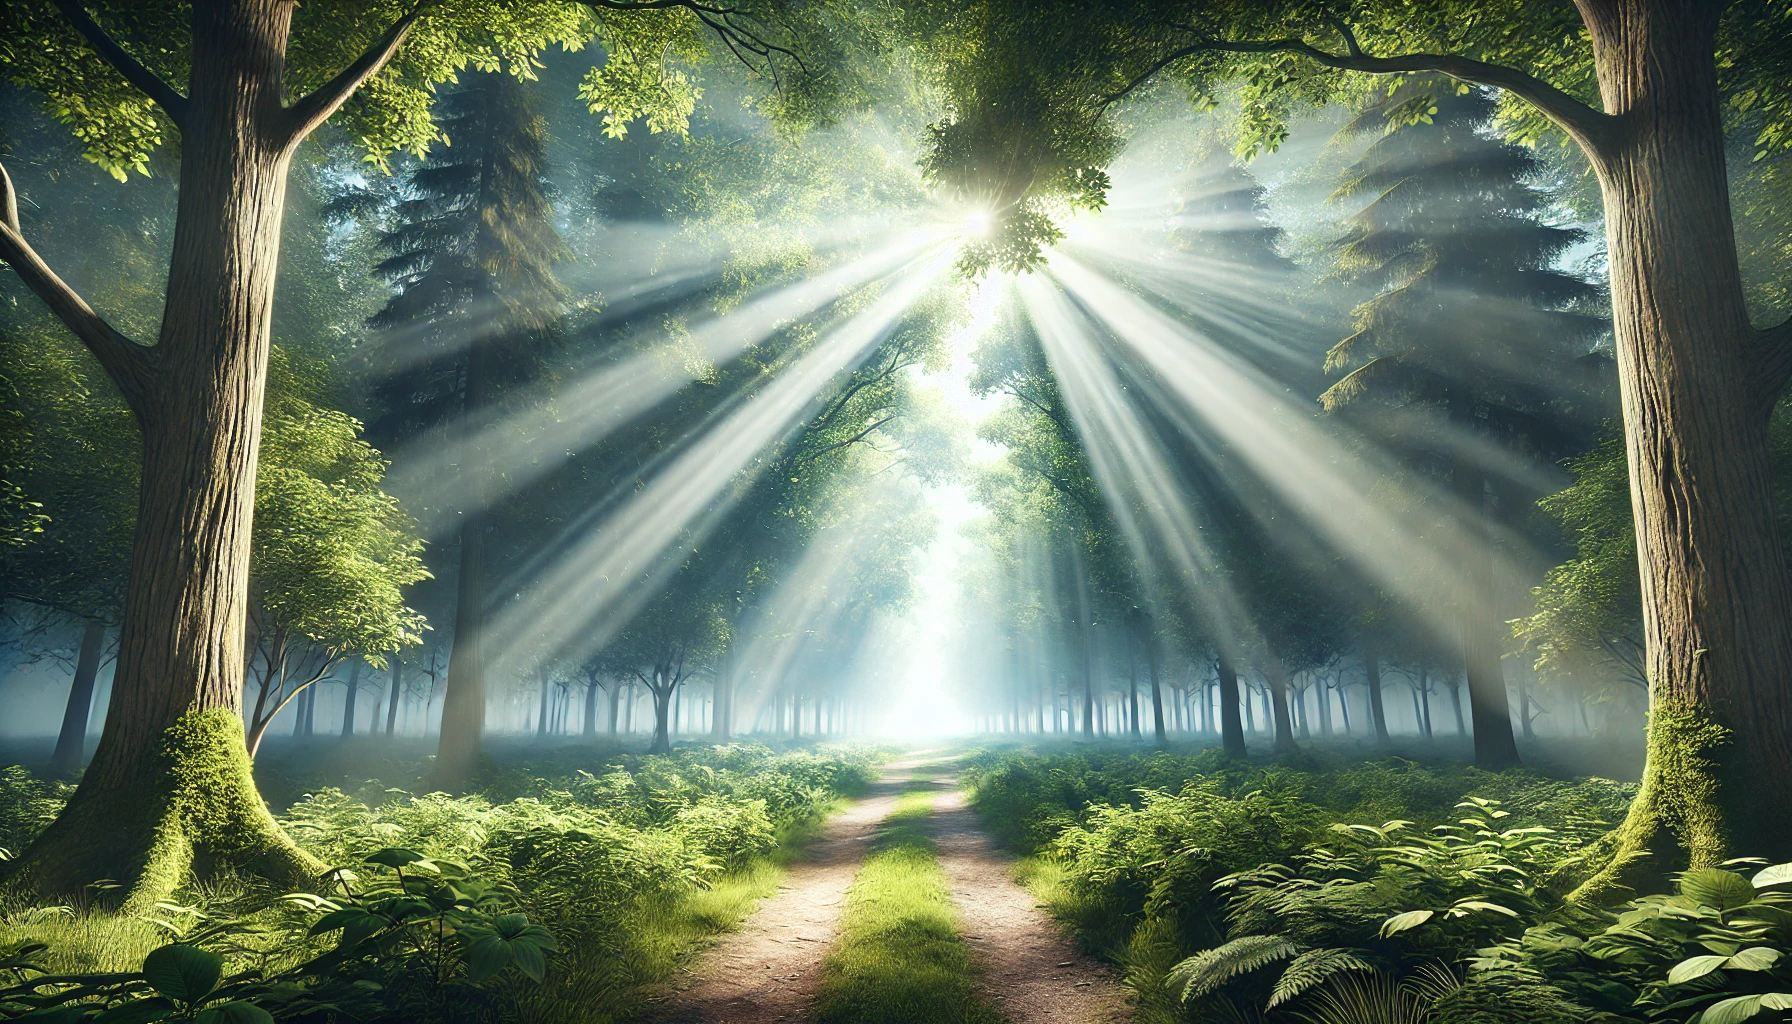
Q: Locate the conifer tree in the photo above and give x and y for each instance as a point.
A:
(1474, 334)
(472, 257)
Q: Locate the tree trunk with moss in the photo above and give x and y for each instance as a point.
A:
(1698, 383)
(169, 788)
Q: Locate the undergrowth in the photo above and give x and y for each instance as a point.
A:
(899, 958)
(625, 868)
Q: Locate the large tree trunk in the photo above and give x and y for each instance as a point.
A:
(71, 742)
(463, 706)
(397, 690)
(1372, 674)
(352, 698)
(1277, 678)
(1698, 383)
(1231, 727)
(662, 718)
(1481, 628)
(1154, 659)
(169, 787)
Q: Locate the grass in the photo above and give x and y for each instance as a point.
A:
(663, 936)
(899, 959)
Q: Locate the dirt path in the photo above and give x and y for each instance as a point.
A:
(770, 969)
(1031, 970)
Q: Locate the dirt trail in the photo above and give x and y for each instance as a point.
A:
(1031, 970)
(770, 969)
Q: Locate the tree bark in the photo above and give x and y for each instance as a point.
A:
(169, 786)
(1489, 708)
(463, 705)
(349, 701)
(1698, 383)
(71, 742)
(397, 690)
(1277, 678)
(1231, 727)
(1372, 674)
(1154, 661)
(662, 715)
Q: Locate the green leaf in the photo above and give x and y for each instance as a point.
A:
(486, 956)
(394, 857)
(1207, 970)
(1778, 874)
(1484, 905)
(1717, 888)
(55, 1015)
(1405, 922)
(1731, 1011)
(1755, 958)
(138, 1011)
(183, 973)
(235, 1012)
(1696, 967)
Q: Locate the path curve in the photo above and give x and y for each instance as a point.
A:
(1030, 968)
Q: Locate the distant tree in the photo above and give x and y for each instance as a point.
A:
(1472, 328)
(333, 555)
(472, 252)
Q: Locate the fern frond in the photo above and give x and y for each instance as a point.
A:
(1312, 968)
(1207, 970)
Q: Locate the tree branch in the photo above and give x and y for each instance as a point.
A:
(1593, 129)
(173, 103)
(849, 442)
(130, 365)
(316, 107)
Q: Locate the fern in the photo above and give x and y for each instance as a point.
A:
(1207, 970)
(1310, 969)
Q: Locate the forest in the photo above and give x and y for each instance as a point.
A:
(895, 511)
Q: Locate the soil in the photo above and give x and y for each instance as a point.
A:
(770, 970)
(1030, 968)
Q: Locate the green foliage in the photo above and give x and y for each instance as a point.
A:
(332, 552)
(589, 884)
(1250, 888)
(642, 76)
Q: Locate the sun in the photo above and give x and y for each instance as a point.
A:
(976, 224)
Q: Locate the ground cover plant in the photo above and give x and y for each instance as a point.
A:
(552, 895)
(1230, 890)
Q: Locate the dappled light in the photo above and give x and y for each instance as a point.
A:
(895, 512)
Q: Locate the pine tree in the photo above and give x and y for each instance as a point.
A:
(1473, 328)
(473, 250)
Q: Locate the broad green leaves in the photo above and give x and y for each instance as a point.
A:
(185, 974)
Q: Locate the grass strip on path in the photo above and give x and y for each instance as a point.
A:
(899, 958)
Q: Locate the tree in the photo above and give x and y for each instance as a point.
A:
(1471, 323)
(1641, 88)
(332, 557)
(197, 394)
(472, 258)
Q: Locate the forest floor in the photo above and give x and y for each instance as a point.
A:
(772, 968)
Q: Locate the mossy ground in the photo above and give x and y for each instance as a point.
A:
(899, 958)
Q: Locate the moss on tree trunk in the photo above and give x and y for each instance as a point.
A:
(1679, 818)
(192, 811)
